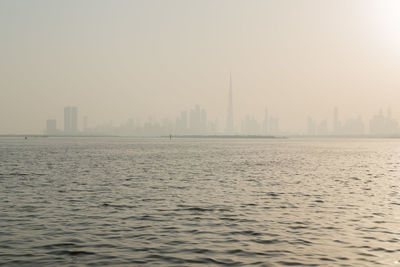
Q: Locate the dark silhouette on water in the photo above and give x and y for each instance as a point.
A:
(231, 136)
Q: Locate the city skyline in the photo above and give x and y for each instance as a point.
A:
(151, 59)
(199, 133)
(194, 122)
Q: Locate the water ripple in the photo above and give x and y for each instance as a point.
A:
(115, 201)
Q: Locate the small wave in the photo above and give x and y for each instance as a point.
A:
(383, 249)
(169, 259)
(224, 262)
(366, 254)
(17, 174)
(326, 259)
(247, 232)
(72, 252)
(301, 241)
(57, 245)
(267, 241)
(294, 263)
(121, 206)
(199, 209)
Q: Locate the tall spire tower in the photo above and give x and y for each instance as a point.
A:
(229, 121)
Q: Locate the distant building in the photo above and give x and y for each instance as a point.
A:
(315, 128)
(311, 128)
(67, 115)
(74, 119)
(353, 127)
(51, 127)
(197, 120)
(70, 119)
(85, 124)
(336, 123)
(194, 120)
(383, 125)
(250, 126)
(273, 126)
(181, 123)
(322, 128)
(265, 122)
(229, 119)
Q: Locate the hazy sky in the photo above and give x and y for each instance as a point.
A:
(121, 59)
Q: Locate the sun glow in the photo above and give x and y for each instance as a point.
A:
(386, 20)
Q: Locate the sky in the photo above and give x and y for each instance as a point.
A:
(117, 60)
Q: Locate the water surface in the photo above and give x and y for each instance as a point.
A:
(125, 201)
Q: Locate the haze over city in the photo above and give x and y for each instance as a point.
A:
(199, 132)
(118, 60)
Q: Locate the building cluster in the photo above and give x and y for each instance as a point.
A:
(70, 123)
(195, 122)
(189, 122)
(269, 126)
(383, 125)
(379, 125)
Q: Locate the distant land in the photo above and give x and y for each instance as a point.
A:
(228, 136)
(55, 135)
(165, 136)
(207, 136)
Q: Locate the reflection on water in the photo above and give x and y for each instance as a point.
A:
(207, 202)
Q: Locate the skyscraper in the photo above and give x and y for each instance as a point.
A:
(70, 119)
(229, 121)
(336, 122)
(74, 119)
(85, 124)
(265, 123)
(51, 127)
(67, 116)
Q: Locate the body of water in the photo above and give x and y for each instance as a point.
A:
(185, 202)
